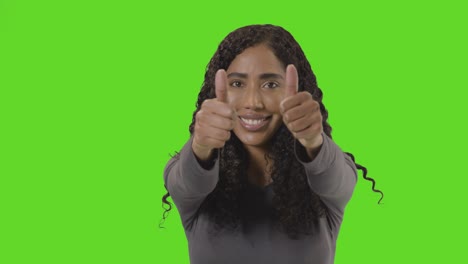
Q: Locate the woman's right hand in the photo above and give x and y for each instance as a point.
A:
(214, 121)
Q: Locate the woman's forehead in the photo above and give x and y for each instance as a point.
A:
(256, 60)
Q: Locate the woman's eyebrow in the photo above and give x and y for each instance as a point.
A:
(261, 76)
(270, 76)
(237, 75)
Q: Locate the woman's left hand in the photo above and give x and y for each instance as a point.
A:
(301, 113)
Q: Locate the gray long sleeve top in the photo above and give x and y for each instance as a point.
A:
(332, 175)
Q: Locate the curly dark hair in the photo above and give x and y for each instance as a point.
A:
(294, 214)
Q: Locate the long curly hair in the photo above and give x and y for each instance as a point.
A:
(294, 215)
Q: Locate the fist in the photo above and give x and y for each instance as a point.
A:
(214, 121)
(301, 113)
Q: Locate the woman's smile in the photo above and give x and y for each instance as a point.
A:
(254, 124)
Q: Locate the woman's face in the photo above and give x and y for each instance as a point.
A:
(256, 87)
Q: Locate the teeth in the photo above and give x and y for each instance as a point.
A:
(252, 121)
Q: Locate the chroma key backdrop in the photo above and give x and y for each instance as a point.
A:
(95, 95)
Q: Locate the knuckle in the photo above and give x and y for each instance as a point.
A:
(318, 117)
(301, 96)
(304, 95)
(197, 128)
(316, 105)
(285, 104)
(199, 140)
(204, 104)
(201, 119)
(292, 126)
(310, 106)
(207, 103)
(199, 114)
(299, 112)
(316, 127)
(219, 135)
(282, 106)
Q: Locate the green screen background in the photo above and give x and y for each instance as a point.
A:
(95, 95)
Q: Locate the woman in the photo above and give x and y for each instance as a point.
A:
(260, 179)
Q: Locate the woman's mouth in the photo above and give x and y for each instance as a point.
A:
(254, 124)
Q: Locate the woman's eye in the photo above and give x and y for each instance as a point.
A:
(236, 84)
(271, 85)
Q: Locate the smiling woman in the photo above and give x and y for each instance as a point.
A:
(260, 180)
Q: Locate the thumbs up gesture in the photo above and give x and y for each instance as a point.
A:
(301, 113)
(214, 121)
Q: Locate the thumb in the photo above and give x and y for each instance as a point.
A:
(220, 85)
(292, 80)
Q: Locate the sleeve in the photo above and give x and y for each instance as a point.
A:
(188, 182)
(332, 175)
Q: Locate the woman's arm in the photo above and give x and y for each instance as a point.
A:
(331, 173)
(188, 182)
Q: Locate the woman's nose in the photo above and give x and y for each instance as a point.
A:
(253, 98)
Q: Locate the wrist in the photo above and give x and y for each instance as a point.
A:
(203, 155)
(314, 148)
